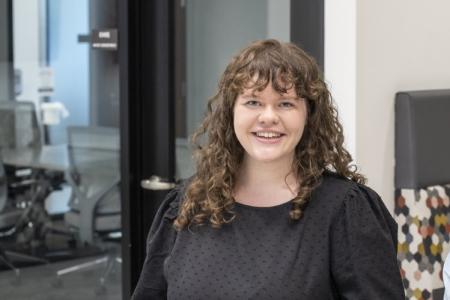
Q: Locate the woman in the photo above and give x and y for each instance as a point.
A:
(275, 209)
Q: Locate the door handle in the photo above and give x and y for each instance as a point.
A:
(156, 183)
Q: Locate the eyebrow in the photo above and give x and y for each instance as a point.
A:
(249, 96)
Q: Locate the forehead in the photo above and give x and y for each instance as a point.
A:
(282, 83)
(255, 92)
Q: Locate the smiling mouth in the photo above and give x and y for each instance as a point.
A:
(268, 135)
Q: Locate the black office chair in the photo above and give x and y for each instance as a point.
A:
(18, 125)
(9, 217)
(19, 129)
(8, 213)
(27, 187)
(94, 176)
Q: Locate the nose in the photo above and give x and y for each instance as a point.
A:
(268, 116)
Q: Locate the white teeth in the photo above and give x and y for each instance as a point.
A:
(268, 134)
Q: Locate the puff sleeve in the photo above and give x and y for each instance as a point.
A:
(363, 248)
(152, 283)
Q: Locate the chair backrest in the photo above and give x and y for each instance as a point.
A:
(422, 146)
(422, 181)
(94, 154)
(18, 125)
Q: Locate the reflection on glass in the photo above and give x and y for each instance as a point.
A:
(211, 33)
(60, 210)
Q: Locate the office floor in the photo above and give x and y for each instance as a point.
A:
(37, 283)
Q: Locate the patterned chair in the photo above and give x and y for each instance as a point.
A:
(422, 195)
(423, 217)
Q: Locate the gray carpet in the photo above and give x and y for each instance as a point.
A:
(38, 283)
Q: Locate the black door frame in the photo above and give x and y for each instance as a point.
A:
(147, 65)
(8, 51)
(146, 76)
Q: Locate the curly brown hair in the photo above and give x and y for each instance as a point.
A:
(209, 195)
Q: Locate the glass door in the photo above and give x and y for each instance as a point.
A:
(60, 172)
(211, 32)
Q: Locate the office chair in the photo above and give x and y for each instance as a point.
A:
(9, 216)
(94, 176)
(18, 125)
(19, 129)
(7, 219)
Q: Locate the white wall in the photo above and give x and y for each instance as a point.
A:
(374, 49)
(340, 64)
(401, 45)
(26, 25)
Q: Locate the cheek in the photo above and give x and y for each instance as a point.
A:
(298, 124)
(235, 121)
(241, 122)
(303, 117)
(237, 126)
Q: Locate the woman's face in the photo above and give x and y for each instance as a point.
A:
(269, 125)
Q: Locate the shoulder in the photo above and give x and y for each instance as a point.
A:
(362, 240)
(343, 188)
(167, 212)
(334, 182)
(335, 188)
(337, 193)
(351, 202)
(170, 205)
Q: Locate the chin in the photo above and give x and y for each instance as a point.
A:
(269, 156)
(265, 158)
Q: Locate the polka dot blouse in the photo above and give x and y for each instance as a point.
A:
(343, 248)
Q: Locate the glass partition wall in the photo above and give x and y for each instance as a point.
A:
(60, 208)
(209, 33)
(60, 118)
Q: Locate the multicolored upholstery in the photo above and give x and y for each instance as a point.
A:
(423, 217)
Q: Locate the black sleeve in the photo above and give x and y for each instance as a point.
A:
(363, 255)
(152, 283)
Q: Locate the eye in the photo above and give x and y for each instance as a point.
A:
(252, 103)
(286, 104)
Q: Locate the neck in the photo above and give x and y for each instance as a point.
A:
(266, 175)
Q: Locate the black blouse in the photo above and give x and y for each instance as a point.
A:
(343, 248)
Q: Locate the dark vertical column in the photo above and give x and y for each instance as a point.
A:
(180, 68)
(103, 68)
(146, 51)
(128, 189)
(308, 28)
(6, 51)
